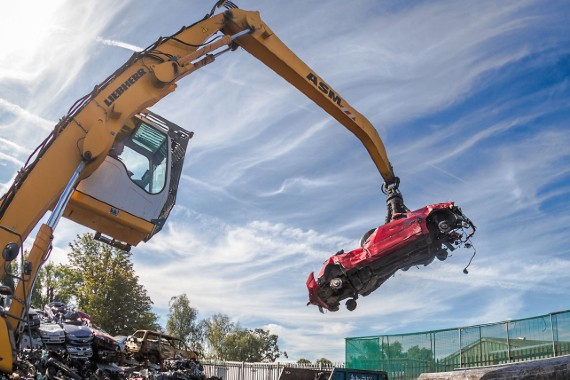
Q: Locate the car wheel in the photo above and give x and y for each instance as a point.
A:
(336, 283)
(366, 236)
(351, 304)
(444, 221)
(442, 255)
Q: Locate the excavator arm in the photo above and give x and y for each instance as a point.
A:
(81, 140)
(246, 29)
(263, 44)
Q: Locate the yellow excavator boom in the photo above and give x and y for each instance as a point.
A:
(81, 140)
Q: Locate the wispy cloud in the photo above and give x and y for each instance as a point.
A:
(120, 44)
(470, 98)
(24, 115)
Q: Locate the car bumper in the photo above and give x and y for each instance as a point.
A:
(314, 298)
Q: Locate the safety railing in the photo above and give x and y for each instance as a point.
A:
(406, 356)
(255, 371)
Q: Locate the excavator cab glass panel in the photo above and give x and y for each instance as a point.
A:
(130, 195)
(145, 157)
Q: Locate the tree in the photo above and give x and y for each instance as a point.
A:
(182, 323)
(105, 286)
(216, 328)
(418, 353)
(14, 274)
(251, 346)
(393, 351)
(267, 349)
(53, 283)
(304, 361)
(228, 341)
(8, 279)
(324, 362)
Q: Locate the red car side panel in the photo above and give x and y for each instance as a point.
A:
(384, 241)
(406, 238)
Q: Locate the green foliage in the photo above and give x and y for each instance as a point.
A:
(246, 345)
(216, 328)
(103, 283)
(8, 278)
(228, 341)
(364, 353)
(418, 353)
(241, 346)
(182, 322)
(106, 287)
(53, 283)
(36, 298)
(395, 351)
(324, 362)
(303, 361)
(267, 345)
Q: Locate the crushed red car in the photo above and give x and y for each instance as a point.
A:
(411, 238)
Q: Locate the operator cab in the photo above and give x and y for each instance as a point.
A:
(129, 197)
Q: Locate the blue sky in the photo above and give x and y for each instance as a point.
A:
(470, 98)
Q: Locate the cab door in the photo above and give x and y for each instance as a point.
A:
(129, 197)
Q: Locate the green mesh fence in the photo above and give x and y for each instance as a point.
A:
(406, 356)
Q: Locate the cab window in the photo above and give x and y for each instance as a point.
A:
(145, 156)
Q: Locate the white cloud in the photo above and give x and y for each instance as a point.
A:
(467, 98)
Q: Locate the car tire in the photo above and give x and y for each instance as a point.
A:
(336, 283)
(366, 236)
(442, 255)
(351, 304)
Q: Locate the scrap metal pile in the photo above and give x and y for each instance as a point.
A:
(58, 343)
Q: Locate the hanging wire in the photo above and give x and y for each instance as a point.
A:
(474, 252)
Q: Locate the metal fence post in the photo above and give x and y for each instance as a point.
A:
(460, 350)
(480, 346)
(508, 343)
(432, 344)
(552, 334)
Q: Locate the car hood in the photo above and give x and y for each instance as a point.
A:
(80, 334)
(51, 328)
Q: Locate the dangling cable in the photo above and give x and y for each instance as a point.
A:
(474, 252)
